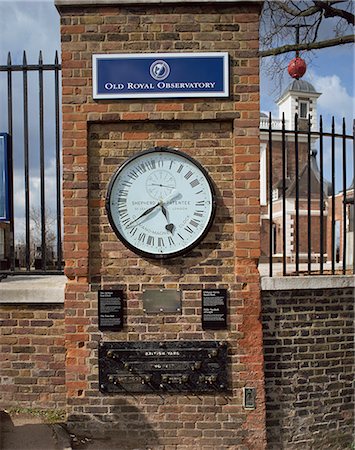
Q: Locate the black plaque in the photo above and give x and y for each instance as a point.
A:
(110, 310)
(166, 366)
(214, 309)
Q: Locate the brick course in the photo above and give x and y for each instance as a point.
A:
(223, 135)
(309, 368)
(32, 356)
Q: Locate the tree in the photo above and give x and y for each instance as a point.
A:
(36, 238)
(321, 24)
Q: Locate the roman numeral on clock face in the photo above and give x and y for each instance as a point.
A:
(194, 223)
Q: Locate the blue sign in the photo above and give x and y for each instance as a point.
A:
(160, 75)
(4, 178)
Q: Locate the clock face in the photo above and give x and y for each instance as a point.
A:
(160, 203)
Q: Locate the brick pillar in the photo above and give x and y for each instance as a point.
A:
(223, 135)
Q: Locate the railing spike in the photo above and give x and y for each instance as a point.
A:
(9, 59)
(40, 58)
(24, 58)
(56, 60)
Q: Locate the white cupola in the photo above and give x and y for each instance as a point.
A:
(299, 97)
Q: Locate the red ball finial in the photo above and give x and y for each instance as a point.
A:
(297, 68)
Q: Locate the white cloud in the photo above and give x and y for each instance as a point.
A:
(31, 26)
(335, 99)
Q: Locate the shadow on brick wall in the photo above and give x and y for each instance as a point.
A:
(124, 427)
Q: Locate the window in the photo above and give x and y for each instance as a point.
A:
(351, 218)
(274, 238)
(2, 243)
(4, 193)
(275, 194)
(263, 184)
(303, 110)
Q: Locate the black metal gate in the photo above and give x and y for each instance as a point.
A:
(32, 237)
(308, 213)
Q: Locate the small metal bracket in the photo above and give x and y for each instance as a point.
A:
(249, 397)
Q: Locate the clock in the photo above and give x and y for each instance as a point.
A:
(161, 203)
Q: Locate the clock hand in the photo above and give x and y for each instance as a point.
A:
(169, 226)
(164, 211)
(162, 185)
(145, 213)
(170, 197)
(149, 210)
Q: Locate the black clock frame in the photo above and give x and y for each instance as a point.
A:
(152, 255)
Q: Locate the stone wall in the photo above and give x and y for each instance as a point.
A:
(309, 368)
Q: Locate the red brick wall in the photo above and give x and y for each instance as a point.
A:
(223, 136)
(309, 368)
(32, 356)
(290, 160)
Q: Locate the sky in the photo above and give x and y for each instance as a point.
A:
(34, 25)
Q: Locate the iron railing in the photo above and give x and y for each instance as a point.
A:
(307, 221)
(34, 243)
(293, 245)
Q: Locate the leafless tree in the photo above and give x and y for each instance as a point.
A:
(322, 24)
(36, 237)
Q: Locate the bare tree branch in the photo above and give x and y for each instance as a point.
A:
(296, 12)
(330, 11)
(308, 46)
